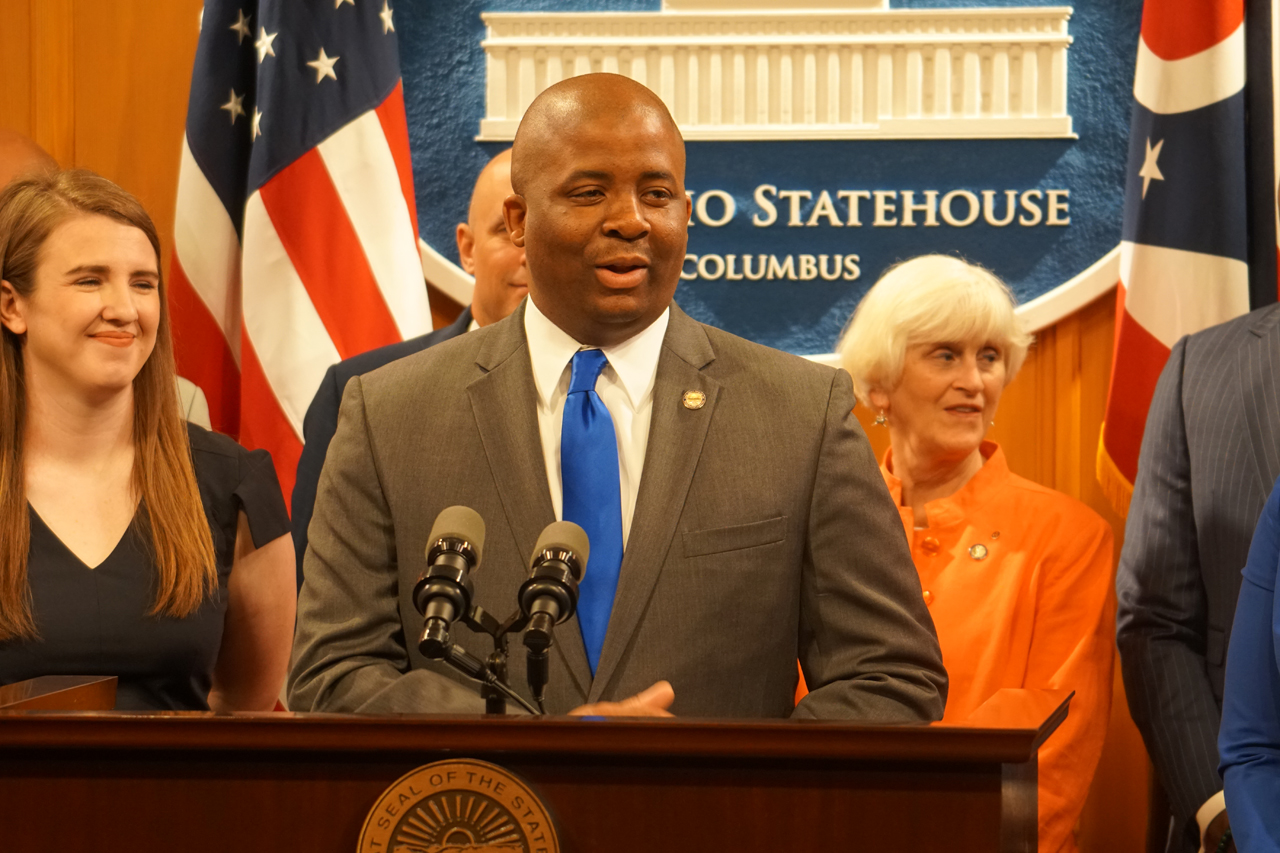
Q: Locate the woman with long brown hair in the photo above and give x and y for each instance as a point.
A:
(131, 544)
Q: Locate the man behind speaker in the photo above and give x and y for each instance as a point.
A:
(737, 515)
(501, 281)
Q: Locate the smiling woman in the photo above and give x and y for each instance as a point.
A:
(1017, 577)
(112, 301)
(130, 544)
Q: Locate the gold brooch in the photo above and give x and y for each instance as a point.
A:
(694, 399)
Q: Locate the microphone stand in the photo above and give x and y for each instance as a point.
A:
(491, 673)
(548, 597)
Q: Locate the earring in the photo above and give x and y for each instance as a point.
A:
(993, 422)
(881, 420)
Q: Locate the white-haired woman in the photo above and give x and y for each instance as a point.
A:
(1018, 577)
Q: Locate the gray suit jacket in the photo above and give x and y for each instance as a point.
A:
(1210, 452)
(762, 531)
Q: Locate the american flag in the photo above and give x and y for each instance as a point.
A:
(295, 241)
(1184, 253)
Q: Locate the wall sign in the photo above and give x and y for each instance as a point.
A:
(823, 145)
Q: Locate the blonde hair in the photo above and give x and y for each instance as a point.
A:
(932, 298)
(174, 524)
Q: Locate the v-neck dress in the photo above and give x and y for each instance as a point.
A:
(95, 621)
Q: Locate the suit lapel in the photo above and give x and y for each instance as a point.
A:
(1258, 366)
(676, 436)
(505, 406)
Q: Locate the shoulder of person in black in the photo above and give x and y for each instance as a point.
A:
(232, 479)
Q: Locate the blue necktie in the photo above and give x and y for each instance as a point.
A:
(592, 496)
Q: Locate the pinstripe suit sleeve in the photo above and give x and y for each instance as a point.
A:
(1162, 607)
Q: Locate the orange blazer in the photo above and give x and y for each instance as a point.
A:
(1018, 579)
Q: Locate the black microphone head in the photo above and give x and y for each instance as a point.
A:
(565, 536)
(458, 522)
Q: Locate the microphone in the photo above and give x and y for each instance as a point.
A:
(443, 592)
(550, 595)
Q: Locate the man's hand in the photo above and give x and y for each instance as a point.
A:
(651, 702)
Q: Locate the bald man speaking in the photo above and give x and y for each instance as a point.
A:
(736, 514)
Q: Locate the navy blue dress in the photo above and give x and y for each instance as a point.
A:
(96, 622)
(1249, 740)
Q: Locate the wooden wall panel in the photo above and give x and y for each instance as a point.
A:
(15, 66)
(103, 84)
(52, 78)
(131, 96)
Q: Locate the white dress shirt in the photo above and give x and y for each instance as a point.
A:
(625, 387)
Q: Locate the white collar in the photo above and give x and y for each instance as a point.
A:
(635, 360)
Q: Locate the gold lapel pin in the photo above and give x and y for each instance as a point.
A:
(694, 399)
(978, 552)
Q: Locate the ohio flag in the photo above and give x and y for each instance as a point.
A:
(1183, 255)
(296, 232)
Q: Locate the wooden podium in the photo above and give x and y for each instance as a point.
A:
(117, 781)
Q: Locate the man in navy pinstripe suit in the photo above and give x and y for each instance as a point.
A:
(1210, 455)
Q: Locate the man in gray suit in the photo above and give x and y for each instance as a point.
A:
(1210, 455)
(755, 525)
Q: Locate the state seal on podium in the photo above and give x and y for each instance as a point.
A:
(463, 806)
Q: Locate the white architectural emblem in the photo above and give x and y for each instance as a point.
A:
(834, 73)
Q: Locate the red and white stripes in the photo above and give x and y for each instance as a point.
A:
(1191, 56)
(329, 268)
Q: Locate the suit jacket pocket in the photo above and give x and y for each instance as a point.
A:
(717, 540)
